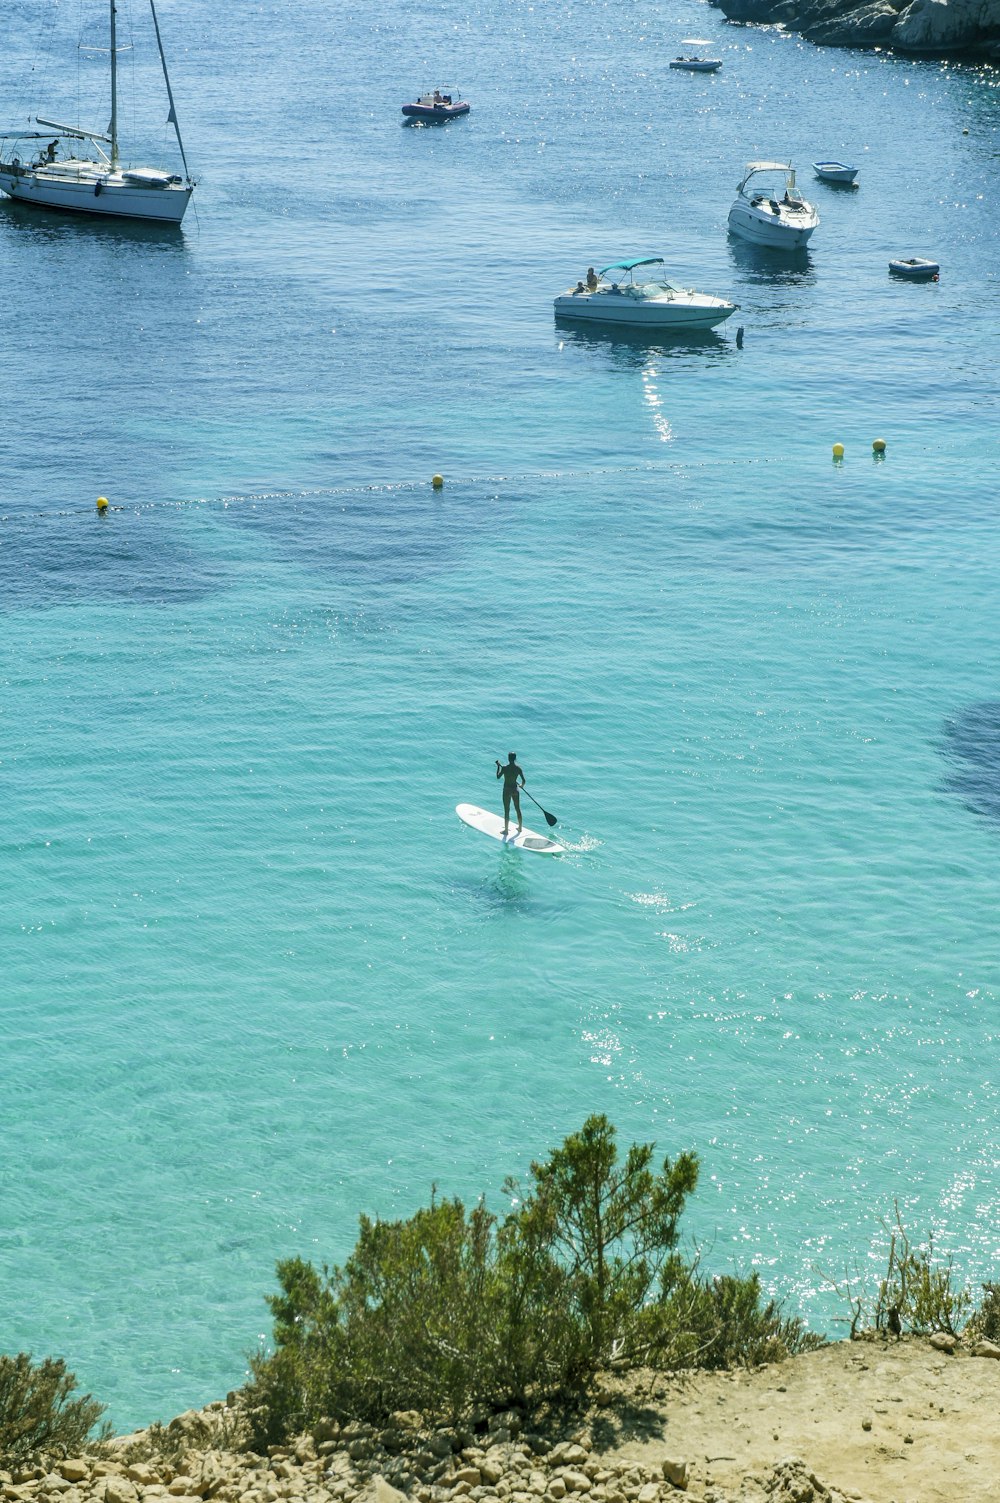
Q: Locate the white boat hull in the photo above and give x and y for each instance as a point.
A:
(781, 231)
(674, 313)
(93, 190)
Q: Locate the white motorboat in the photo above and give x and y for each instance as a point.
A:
(98, 184)
(769, 213)
(835, 172)
(697, 62)
(616, 296)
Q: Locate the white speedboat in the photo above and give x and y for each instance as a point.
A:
(835, 172)
(617, 296)
(98, 184)
(769, 210)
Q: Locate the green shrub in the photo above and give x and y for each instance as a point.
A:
(985, 1322)
(441, 1313)
(456, 1310)
(925, 1293)
(611, 1228)
(289, 1389)
(918, 1288)
(721, 1322)
(159, 1445)
(37, 1415)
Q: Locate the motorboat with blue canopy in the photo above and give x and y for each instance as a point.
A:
(637, 294)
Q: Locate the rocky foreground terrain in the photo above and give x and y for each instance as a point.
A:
(940, 28)
(883, 1422)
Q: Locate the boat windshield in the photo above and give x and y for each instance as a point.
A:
(763, 171)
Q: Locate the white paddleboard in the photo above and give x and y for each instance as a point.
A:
(492, 824)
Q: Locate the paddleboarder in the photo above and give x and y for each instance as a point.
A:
(510, 772)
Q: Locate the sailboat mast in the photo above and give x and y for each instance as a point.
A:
(113, 132)
(170, 93)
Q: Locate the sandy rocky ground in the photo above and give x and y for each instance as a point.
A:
(856, 1422)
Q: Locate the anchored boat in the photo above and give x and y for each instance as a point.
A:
(618, 296)
(98, 184)
(436, 107)
(769, 212)
(917, 269)
(835, 172)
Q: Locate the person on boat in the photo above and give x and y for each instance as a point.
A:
(578, 288)
(437, 97)
(510, 774)
(592, 279)
(50, 151)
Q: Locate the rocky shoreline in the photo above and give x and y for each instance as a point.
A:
(912, 1421)
(968, 29)
(347, 1464)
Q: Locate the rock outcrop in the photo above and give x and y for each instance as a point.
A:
(923, 27)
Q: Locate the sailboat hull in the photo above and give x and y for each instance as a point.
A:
(89, 189)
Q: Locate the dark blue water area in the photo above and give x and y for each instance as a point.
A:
(116, 559)
(383, 537)
(970, 746)
(722, 520)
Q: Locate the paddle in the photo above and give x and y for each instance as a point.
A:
(550, 819)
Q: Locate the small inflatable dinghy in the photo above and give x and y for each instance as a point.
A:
(916, 269)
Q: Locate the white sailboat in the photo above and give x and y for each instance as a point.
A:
(100, 184)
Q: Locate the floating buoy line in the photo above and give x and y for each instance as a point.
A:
(390, 487)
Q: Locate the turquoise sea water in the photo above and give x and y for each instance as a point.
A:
(257, 977)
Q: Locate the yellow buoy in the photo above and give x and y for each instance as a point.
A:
(838, 451)
(102, 503)
(437, 481)
(879, 445)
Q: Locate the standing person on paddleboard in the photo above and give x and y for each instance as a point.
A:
(511, 790)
